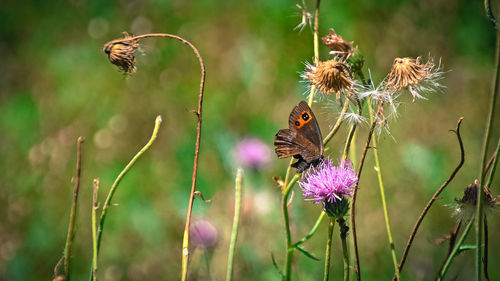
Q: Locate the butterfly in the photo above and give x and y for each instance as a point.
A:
(302, 140)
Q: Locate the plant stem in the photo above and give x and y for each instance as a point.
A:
(453, 239)
(494, 166)
(74, 205)
(236, 221)
(455, 250)
(485, 260)
(316, 47)
(312, 231)
(354, 196)
(487, 132)
(95, 206)
(382, 196)
(113, 188)
(344, 229)
(434, 197)
(289, 246)
(336, 127)
(328, 249)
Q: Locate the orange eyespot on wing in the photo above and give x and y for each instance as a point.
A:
(303, 119)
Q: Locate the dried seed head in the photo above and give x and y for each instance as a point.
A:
(338, 45)
(406, 72)
(410, 74)
(121, 52)
(330, 77)
(467, 204)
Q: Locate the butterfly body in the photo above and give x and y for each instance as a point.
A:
(302, 140)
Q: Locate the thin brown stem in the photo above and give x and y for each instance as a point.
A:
(72, 218)
(354, 196)
(185, 242)
(434, 197)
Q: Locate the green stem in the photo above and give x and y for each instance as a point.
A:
(113, 188)
(489, 124)
(316, 47)
(312, 231)
(72, 218)
(343, 237)
(455, 250)
(95, 206)
(493, 166)
(328, 250)
(289, 246)
(336, 127)
(236, 221)
(382, 195)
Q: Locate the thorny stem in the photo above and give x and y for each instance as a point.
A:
(72, 218)
(113, 188)
(236, 221)
(354, 196)
(328, 250)
(344, 229)
(434, 197)
(455, 250)
(487, 132)
(95, 207)
(382, 195)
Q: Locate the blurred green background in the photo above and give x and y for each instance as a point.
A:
(56, 84)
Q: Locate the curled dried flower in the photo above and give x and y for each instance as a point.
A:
(467, 204)
(330, 77)
(338, 45)
(121, 52)
(412, 74)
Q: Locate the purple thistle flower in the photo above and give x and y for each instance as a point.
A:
(204, 234)
(253, 153)
(327, 183)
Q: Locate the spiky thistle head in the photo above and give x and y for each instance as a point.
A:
(413, 75)
(467, 205)
(330, 77)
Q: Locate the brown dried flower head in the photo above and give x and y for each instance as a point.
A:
(121, 52)
(330, 77)
(467, 204)
(338, 45)
(409, 73)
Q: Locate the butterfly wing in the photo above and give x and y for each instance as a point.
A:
(302, 140)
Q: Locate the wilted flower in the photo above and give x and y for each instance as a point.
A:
(204, 234)
(467, 204)
(328, 183)
(253, 153)
(121, 52)
(330, 77)
(338, 45)
(411, 74)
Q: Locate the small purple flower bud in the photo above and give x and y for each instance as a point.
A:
(204, 234)
(252, 153)
(328, 183)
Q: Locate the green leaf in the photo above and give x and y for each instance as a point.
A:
(466, 248)
(306, 253)
(277, 267)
